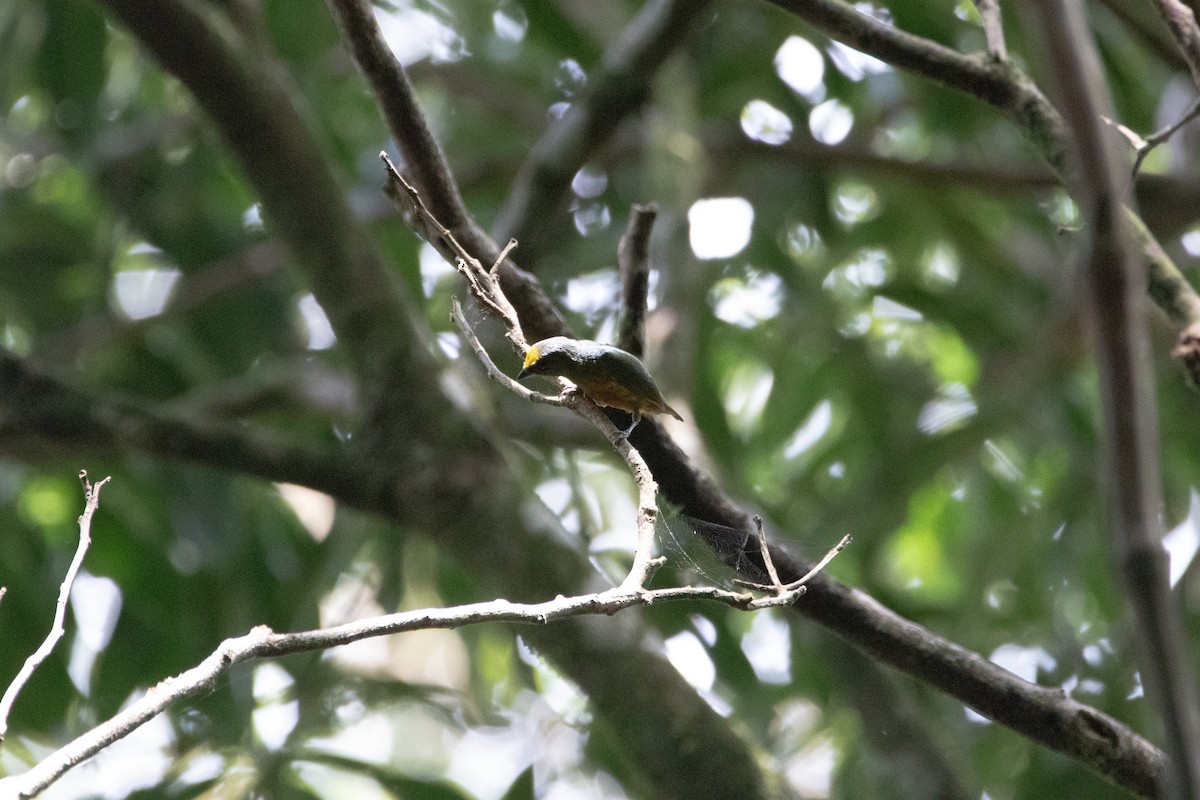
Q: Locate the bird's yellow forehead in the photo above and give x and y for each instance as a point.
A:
(531, 356)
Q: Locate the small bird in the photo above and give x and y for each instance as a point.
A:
(607, 375)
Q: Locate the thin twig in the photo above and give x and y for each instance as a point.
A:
(803, 579)
(497, 374)
(769, 562)
(484, 283)
(820, 565)
(500, 259)
(781, 595)
(1152, 141)
(58, 628)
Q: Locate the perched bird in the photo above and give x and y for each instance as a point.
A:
(607, 375)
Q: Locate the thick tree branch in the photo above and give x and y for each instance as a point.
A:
(1131, 463)
(633, 262)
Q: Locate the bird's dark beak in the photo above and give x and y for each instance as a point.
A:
(524, 373)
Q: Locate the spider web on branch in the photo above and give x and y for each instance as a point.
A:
(706, 552)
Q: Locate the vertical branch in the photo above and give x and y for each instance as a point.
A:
(633, 259)
(58, 628)
(1115, 280)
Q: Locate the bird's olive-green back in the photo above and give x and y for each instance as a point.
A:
(601, 371)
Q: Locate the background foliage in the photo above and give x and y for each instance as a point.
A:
(882, 335)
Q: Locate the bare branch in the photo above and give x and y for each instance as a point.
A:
(58, 627)
(495, 373)
(262, 643)
(766, 554)
(778, 587)
(1145, 146)
(484, 283)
